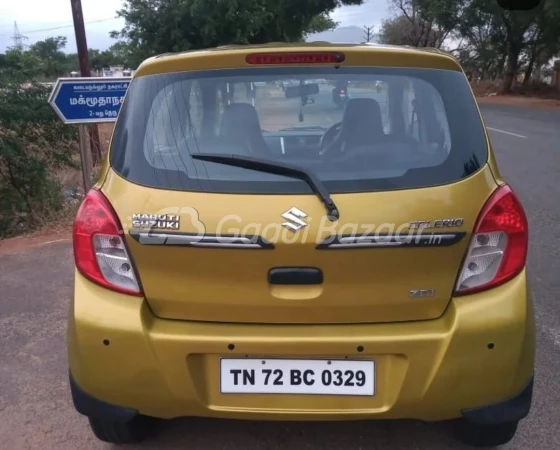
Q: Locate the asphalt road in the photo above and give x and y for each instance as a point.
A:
(35, 288)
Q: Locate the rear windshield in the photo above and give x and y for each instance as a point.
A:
(358, 129)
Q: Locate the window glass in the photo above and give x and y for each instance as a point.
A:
(357, 129)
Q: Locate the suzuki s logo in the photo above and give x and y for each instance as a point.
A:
(294, 218)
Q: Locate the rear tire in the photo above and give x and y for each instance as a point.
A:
(479, 435)
(131, 432)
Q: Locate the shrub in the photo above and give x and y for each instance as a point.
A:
(34, 144)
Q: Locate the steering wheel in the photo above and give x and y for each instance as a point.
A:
(328, 137)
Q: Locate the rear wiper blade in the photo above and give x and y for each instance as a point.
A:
(309, 128)
(278, 168)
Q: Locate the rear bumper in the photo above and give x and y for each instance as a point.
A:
(510, 410)
(121, 354)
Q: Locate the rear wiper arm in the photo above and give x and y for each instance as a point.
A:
(278, 168)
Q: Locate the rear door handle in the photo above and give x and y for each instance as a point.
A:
(295, 275)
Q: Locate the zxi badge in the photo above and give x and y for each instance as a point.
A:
(294, 220)
(418, 293)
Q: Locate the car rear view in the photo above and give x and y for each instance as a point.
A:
(301, 233)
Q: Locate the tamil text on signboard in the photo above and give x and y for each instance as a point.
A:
(88, 100)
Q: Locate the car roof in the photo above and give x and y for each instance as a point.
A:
(364, 54)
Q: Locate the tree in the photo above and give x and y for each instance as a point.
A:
(543, 39)
(496, 40)
(50, 53)
(400, 31)
(160, 26)
(422, 23)
(121, 54)
(100, 59)
(516, 25)
(34, 143)
(485, 48)
(320, 23)
(514, 35)
(21, 64)
(72, 63)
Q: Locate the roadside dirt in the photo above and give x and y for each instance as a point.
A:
(46, 236)
(515, 100)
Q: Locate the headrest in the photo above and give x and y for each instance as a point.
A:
(240, 118)
(362, 121)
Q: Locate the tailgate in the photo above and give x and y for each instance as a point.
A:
(267, 272)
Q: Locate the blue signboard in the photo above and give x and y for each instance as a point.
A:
(88, 100)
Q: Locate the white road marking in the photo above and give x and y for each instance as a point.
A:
(507, 132)
(52, 242)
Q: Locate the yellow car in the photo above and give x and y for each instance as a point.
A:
(253, 251)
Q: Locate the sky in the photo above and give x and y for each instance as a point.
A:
(39, 19)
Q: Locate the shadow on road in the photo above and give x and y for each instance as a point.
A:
(213, 434)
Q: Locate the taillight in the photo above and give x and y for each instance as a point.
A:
(295, 58)
(498, 247)
(100, 251)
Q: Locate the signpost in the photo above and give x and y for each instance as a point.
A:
(86, 100)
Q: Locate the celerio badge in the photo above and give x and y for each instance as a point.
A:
(294, 220)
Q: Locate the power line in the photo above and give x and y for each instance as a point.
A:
(70, 26)
(64, 26)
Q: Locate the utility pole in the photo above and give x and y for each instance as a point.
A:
(368, 33)
(85, 70)
(414, 25)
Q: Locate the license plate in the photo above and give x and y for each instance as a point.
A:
(297, 376)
